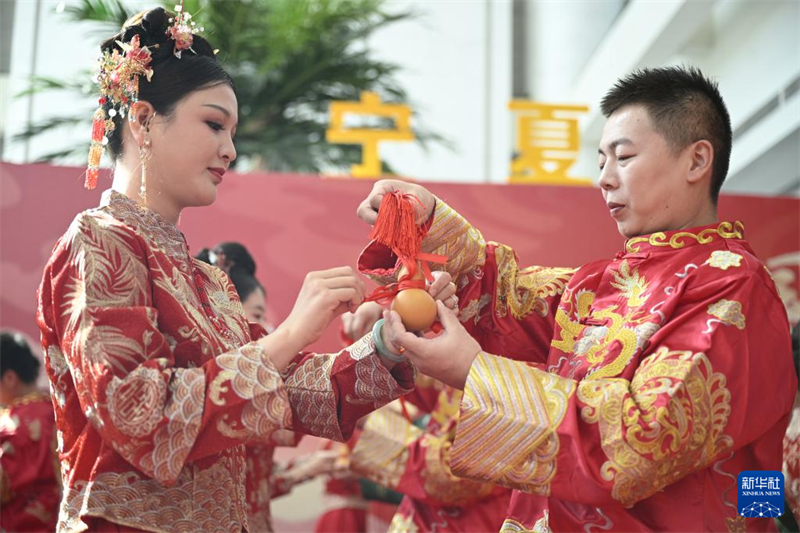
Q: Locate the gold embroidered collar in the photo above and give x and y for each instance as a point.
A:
(678, 239)
(165, 235)
(35, 396)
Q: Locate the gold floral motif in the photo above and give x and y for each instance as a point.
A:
(725, 230)
(109, 346)
(225, 304)
(526, 291)
(60, 370)
(181, 286)
(667, 422)
(723, 259)
(729, 312)
(496, 391)
(110, 273)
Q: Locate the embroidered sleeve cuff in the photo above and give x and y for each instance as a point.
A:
(451, 235)
(329, 393)
(522, 407)
(382, 450)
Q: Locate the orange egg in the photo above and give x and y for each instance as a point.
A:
(416, 308)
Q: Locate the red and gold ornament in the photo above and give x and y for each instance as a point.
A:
(396, 229)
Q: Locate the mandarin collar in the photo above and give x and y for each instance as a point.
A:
(147, 222)
(683, 238)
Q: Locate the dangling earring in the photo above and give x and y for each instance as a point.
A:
(144, 156)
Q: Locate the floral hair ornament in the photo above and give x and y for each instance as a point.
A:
(181, 31)
(119, 83)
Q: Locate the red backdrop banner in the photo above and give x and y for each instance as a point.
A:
(297, 223)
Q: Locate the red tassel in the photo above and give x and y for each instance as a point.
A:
(395, 227)
(96, 149)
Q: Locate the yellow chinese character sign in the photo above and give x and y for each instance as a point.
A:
(368, 138)
(548, 143)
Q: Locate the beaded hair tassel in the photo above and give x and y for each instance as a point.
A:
(97, 148)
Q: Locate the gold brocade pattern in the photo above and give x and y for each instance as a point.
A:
(521, 292)
(311, 393)
(724, 230)
(447, 406)
(374, 383)
(161, 234)
(440, 482)
(249, 374)
(200, 500)
(572, 329)
(523, 404)
(135, 403)
(651, 445)
(452, 236)
(149, 384)
(381, 452)
(184, 411)
(729, 312)
(629, 331)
